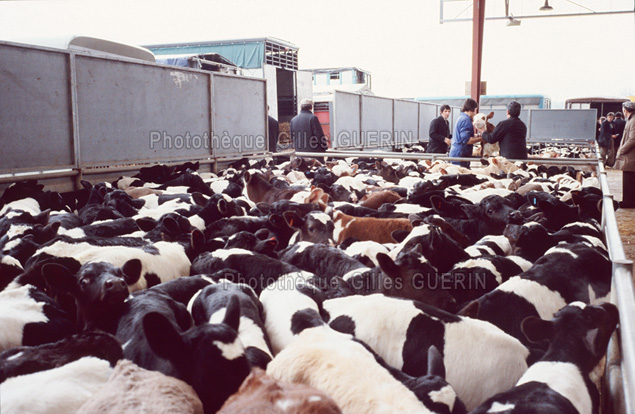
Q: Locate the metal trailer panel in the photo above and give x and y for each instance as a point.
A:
(562, 125)
(140, 112)
(240, 116)
(406, 122)
(35, 109)
(346, 120)
(376, 122)
(427, 112)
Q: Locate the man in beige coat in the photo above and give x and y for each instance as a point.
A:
(625, 159)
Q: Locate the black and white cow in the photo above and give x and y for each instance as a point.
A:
(480, 359)
(210, 306)
(559, 383)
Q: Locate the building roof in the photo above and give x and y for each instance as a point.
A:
(224, 42)
(333, 70)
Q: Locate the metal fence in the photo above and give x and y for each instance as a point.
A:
(69, 113)
(362, 121)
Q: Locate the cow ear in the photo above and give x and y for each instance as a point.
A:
(490, 115)
(247, 176)
(484, 162)
(470, 210)
(199, 199)
(293, 220)
(162, 336)
(536, 330)
(197, 240)
(399, 235)
(132, 271)
(171, 225)
(262, 234)
(232, 313)
(388, 265)
(438, 204)
(277, 221)
(138, 203)
(435, 362)
(415, 220)
(86, 184)
(146, 223)
(59, 277)
(50, 230)
(592, 342)
(470, 310)
(222, 206)
(264, 207)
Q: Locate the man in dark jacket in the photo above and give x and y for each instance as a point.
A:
(440, 136)
(619, 123)
(306, 131)
(511, 133)
(274, 132)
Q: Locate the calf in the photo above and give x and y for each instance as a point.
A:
(366, 228)
(344, 369)
(30, 317)
(99, 290)
(578, 336)
(488, 217)
(74, 382)
(253, 269)
(260, 190)
(23, 360)
(158, 336)
(315, 227)
(261, 393)
(565, 274)
(130, 387)
(407, 327)
(210, 306)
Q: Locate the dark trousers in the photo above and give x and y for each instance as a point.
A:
(628, 189)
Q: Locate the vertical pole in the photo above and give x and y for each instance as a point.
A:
(478, 21)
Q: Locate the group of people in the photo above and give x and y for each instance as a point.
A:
(511, 134)
(609, 136)
(616, 139)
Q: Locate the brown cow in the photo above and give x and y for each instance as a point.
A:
(131, 389)
(375, 199)
(262, 394)
(367, 228)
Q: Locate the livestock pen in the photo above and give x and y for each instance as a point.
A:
(68, 116)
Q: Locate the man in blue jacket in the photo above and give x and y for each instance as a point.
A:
(463, 138)
(510, 133)
(306, 131)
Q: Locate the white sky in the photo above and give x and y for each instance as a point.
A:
(402, 43)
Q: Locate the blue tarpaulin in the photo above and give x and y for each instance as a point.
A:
(244, 55)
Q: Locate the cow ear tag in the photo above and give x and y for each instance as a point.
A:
(291, 223)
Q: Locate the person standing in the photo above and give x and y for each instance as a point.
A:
(619, 123)
(464, 138)
(440, 137)
(306, 131)
(625, 159)
(605, 140)
(510, 133)
(274, 133)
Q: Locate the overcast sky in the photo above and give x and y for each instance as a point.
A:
(402, 43)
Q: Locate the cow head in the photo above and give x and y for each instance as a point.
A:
(99, 288)
(209, 357)
(579, 331)
(413, 277)
(316, 227)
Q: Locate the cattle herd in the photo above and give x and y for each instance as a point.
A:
(347, 286)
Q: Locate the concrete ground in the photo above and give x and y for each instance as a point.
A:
(625, 217)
